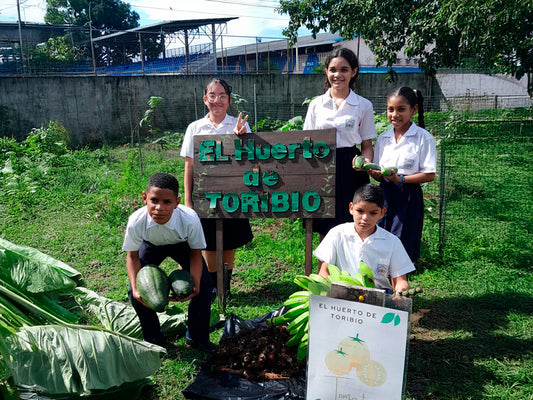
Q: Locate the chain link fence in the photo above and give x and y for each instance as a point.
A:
(486, 181)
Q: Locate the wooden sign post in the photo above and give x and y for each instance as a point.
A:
(265, 175)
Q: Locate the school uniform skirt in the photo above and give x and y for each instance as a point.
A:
(236, 232)
(347, 181)
(405, 215)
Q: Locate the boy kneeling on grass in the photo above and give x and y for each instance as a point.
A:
(164, 228)
(346, 245)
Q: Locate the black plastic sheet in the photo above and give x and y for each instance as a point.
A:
(232, 387)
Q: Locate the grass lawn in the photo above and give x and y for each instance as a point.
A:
(474, 337)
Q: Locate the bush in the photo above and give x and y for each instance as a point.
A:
(269, 125)
(53, 139)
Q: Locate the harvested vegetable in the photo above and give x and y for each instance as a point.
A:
(152, 284)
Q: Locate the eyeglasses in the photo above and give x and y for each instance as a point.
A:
(212, 97)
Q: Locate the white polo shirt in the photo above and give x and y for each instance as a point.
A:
(204, 126)
(183, 226)
(353, 119)
(382, 252)
(415, 152)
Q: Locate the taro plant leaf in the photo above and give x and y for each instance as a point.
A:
(39, 312)
(33, 271)
(113, 315)
(60, 358)
(120, 317)
(5, 357)
(56, 359)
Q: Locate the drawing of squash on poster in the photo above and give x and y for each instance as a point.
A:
(352, 352)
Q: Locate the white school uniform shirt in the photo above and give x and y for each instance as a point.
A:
(415, 152)
(204, 126)
(382, 252)
(183, 226)
(353, 119)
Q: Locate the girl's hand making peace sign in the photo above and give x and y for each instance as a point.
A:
(240, 128)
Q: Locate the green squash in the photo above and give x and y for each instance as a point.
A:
(153, 285)
(181, 283)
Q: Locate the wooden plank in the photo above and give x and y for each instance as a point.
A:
(349, 292)
(309, 182)
(219, 238)
(290, 174)
(308, 268)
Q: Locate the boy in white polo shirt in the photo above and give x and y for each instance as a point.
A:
(164, 228)
(346, 245)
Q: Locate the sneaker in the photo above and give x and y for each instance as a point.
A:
(207, 347)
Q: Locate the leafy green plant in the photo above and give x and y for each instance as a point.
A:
(269, 124)
(294, 124)
(382, 123)
(239, 103)
(169, 140)
(9, 147)
(149, 118)
(55, 50)
(53, 139)
(37, 332)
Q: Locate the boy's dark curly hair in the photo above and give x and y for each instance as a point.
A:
(164, 181)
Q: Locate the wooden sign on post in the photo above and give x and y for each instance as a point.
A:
(266, 175)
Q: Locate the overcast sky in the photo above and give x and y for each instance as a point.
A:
(257, 18)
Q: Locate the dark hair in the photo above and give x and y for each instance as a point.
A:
(164, 181)
(225, 85)
(371, 193)
(413, 97)
(349, 56)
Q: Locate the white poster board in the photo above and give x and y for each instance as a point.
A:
(356, 350)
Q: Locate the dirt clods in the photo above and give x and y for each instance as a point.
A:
(257, 355)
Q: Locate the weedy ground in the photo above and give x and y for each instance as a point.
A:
(472, 336)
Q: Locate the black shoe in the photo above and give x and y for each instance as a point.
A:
(207, 347)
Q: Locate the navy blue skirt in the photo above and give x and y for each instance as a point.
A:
(405, 215)
(236, 233)
(347, 181)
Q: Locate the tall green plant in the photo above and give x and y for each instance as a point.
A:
(148, 121)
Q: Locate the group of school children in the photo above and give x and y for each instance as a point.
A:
(379, 225)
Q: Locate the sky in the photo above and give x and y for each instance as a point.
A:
(256, 18)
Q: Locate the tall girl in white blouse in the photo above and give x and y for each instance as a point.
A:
(353, 117)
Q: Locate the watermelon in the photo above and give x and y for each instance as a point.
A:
(152, 284)
(181, 283)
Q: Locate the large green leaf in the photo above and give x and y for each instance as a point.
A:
(33, 271)
(119, 317)
(54, 359)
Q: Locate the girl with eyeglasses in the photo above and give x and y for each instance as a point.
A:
(236, 232)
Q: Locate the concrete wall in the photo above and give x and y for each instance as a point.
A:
(98, 109)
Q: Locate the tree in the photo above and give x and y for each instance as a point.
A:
(55, 50)
(105, 17)
(489, 35)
